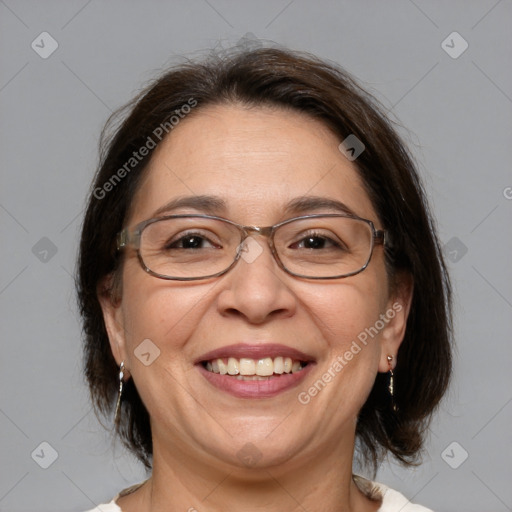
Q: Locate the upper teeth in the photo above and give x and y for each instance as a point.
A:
(262, 367)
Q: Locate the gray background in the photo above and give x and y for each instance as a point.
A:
(458, 117)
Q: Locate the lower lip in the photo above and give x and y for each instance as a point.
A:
(255, 388)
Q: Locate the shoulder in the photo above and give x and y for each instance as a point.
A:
(112, 506)
(106, 507)
(392, 501)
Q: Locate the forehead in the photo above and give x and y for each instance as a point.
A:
(256, 159)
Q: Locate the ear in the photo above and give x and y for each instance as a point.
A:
(109, 296)
(395, 317)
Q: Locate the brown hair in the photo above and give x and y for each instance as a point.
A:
(290, 80)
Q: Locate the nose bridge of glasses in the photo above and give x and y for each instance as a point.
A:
(265, 232)
(262, 231)
(248, 231)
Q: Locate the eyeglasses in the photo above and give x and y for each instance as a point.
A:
(192, 247)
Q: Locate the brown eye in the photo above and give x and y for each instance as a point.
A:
(190, 241)
(317, 241)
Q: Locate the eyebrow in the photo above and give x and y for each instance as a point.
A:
(208, 204)
(306, 204)
(214, 205)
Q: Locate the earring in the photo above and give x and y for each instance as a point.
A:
(391, 384)
(118, 404)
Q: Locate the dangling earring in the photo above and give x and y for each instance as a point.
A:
(118, 405)
(391, 384)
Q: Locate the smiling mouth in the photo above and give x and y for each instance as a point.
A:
(248, 369)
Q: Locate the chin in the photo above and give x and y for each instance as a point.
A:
(253, 450)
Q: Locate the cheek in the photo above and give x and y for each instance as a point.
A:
(347, 309)
(164, 312)
(159, 319)
(344, 315)
(347, 316)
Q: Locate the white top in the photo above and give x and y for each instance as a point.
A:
(392, 501)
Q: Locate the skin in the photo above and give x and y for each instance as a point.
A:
(306, 451)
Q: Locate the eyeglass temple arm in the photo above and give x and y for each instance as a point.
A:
(381, 237)
(123, 239)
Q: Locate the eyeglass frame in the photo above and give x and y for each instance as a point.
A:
(131, 237)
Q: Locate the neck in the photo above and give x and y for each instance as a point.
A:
(184, 482)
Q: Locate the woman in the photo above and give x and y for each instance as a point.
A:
(262, 290)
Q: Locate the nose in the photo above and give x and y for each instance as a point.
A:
(257, 288)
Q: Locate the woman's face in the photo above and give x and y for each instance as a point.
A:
(257, 162)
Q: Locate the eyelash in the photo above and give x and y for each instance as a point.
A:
(202, 237)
